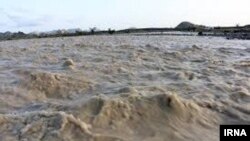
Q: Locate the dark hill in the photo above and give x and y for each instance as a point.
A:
(185, 25)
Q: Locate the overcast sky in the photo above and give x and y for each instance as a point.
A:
(44, 15)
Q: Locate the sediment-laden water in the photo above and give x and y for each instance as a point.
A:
(123, 88)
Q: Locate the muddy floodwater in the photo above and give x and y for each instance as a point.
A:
(123, 88)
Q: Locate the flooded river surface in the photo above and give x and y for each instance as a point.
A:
(123, 88)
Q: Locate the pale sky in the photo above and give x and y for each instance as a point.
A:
(45, 15)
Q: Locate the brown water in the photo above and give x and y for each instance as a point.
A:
(122, 88)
